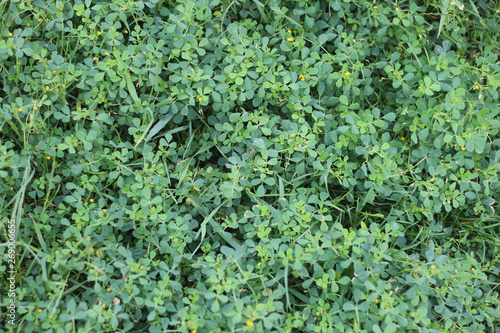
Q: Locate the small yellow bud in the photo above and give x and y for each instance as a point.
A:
(10, 34)
(433, 179)
(200, 99)
(290, 39)
(289, 30)
(20, 109)
(374, 7)
(151, 183)
(99, 33)
(36, 107)
(91, 200)
(104, 210)
(347, 74)
(57, 252)
(48, 157)
(249, 323)
(218, 269)
(39, 310)
(463, 148)
(433, 267)
(47, 88)
(109, 289)
(402, 138)
(377, 301)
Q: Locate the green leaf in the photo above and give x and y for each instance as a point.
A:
(133, 92)
(99, 77)
(343, 100)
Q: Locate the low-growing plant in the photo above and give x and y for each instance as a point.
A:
(256, 166)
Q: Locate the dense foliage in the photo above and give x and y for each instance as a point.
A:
(222, 166)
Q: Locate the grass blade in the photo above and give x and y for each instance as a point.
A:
(444, 9)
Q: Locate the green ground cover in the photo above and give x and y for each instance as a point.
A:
(250, 166)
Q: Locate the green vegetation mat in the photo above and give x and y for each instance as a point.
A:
(250, 166)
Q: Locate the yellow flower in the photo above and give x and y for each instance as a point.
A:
(10, 34)
(433, 179)
(152, 183)
(302, 79)
(114, 48)
(104, 305)
(293, 134)
(402, 138)
(193, 331)
(106, 53)
(91, 200)
(79, 109)
(48, 157)
(47, 88)
(40, 20)
(200, 99)
(249, 323)
(102, 99)
(433, 267)
(303, 212)
(374, 7)
(61, 9)
(36, 107)
(463, 148)
(347, 74)
(20, 109)
(39, 310)
(377, 301)
(473, 269)
(126, 31)
(109, 289)
(289, 30)
(57, 252)
(218, 269)
(104, 210)
(99, 33)
(290, 39)
(476, 87)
